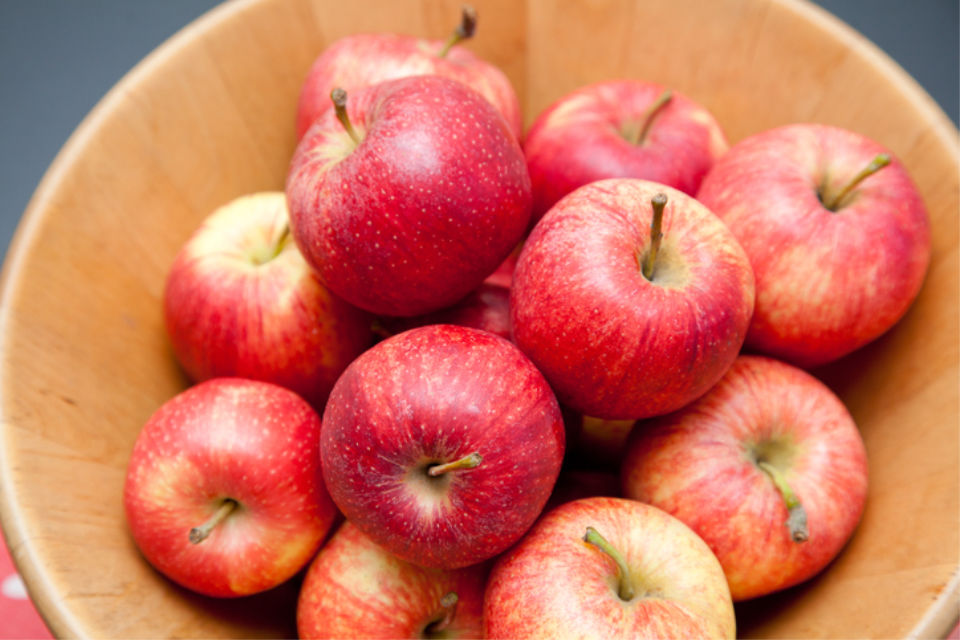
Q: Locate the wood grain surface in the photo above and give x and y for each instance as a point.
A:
(209, 116)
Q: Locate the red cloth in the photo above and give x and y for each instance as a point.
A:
(18, 617)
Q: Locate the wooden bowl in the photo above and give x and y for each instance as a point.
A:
(209, 116)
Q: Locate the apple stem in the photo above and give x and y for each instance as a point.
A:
(466, 462)
(879, 162)
(796, 514)
(448, 604)
(658, 202)
(636, 131)
(625, 590)
(464, 30)
(199, 534)
(278, 245)
(339, 98)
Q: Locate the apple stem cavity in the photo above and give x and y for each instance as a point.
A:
(625, 590)
(658, 202)
(464, 30)
(466, 462)
(269, 253)
(796, 515)
(199, 534)
(879, 162)
(339, 98)
(635, 131)
(444, 617)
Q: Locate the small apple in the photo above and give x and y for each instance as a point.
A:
(241, 301)
(620, 129)
(442, 444)
(354, 588)
(631, 298)
(224, 493)
(408, 194)
(487, 307)
(608, 568)
(767, 467)
(838, 252)
(362, 60)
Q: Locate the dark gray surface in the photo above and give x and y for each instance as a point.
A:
(58, 57)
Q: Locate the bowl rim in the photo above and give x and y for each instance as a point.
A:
(937, 620)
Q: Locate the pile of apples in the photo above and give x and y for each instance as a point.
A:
(559, 374)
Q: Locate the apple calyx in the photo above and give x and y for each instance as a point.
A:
(443, 618)
(199, 534)
(625, 590)
(339, 98)
(879, 162)
(635, 131)
(464, 30)
(796, 521)
(466, 462)
(658, 202)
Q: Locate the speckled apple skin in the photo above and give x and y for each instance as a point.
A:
(578, 140)
(613, 344)
(275, 322)
(254, 442)
(359, 61)
(431, 201)
(487, 307)
(357, 589)
(695, 464)
(434, 395)
(553, 584)
(827, 282)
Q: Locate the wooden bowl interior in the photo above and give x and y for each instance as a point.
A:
(209, 116)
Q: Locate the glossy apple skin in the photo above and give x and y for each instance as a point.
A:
(362, 60)
(699, 465)
(226, 314)
(254, 442)
(554, 585)
(613, 344)
(578, 139)
(487, 307)
(430, 202)
(827, 282)
(434, 395)
(356, 589)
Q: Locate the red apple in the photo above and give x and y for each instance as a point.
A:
(487, 307)
(241, 301)
(442, 444)
(608, 568)
(622, 326)
(417, 204)
(359, 61)
(224, 493)
(839, 255)
(620, 129)
(768, 468)
(356, 589)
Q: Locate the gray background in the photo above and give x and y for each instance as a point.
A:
(58, 57)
